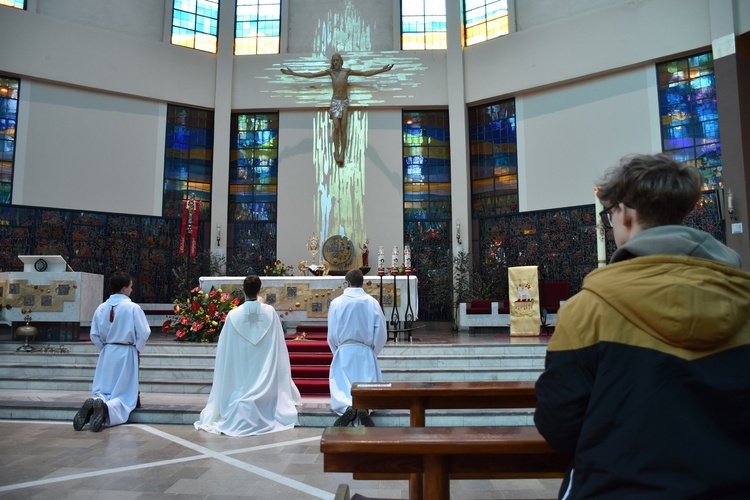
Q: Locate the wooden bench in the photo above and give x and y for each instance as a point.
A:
(438, 454)
(420, 396)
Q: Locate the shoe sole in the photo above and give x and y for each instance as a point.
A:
(84, 414)
(97, 419)
(347, 418)
(365, 419)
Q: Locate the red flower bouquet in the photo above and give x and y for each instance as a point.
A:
(200, 317)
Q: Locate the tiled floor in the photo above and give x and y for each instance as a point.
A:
(138, 461)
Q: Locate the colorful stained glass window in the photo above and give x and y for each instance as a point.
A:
(257, 27)
(8, 114)
(427, 199)
(689, 115)
(423, 25)
(188, 161)
(493, 159)
(18, 4)
(253, 181)
(195, 24)
(485, 20)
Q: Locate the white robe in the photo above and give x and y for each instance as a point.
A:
(119, 342)
(357, 333)
(252, 392)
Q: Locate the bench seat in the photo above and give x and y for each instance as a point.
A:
(441, 453)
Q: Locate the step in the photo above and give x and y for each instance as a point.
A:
(184, 409)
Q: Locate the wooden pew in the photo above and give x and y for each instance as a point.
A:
(420, 396)
(438, 454)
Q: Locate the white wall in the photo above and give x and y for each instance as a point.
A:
(90, 151)
(568, 136)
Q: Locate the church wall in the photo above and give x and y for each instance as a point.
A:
(568, 136)
(90, 151)
(298, 186)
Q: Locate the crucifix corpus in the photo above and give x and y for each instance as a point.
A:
(340, 99)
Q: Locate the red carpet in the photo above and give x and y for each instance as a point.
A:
(310, 359)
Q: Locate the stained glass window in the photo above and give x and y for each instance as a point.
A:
(253, 180)
(8, 114)
(423, 25)
(485, 20)
(18, 4)
(188, 161)
(427, 199)
(195, 24)
(257, 27)
(493, 159)
(689, 115)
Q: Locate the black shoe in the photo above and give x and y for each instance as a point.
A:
(84, 414)
(347, 418)
(101, 412)
(365, 418)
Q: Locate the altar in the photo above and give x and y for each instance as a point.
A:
(65, 297)
(299, 299)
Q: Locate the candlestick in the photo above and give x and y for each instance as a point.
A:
(601, 247)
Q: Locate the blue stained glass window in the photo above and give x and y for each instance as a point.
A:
(257, 27)
(427, 199)
(188, 159)
(423, 25)
(195, 24)
(8, 117)
(493, 159)
(689, 115)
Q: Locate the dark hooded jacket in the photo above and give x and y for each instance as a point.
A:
(647, 376)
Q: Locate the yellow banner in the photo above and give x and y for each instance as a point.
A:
(523, 294)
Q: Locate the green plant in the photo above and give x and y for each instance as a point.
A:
(201, 316)
(463, 281)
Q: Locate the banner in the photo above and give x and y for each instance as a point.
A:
(523, 295)
(189, 225)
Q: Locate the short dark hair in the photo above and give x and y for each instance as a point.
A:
(118, 281)
(355, 278)
(662, 190)
(251, 286)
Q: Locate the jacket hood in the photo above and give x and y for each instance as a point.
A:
(677, 240)
(687, 302)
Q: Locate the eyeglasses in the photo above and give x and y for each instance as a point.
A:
(606, 216)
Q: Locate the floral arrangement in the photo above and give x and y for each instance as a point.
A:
(200, 317)
(278, 268)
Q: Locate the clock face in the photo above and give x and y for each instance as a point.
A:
(40, 265)
(337, 251)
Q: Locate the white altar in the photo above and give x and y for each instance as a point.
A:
(50, 296)
(306, 298)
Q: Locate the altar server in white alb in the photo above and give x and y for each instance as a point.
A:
(252, 392)
(119, 329)
(356, 335)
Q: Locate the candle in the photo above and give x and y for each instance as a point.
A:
(381, 260)
(407, 258)
(601, 248)
(394, 256)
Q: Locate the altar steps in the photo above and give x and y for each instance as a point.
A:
(175, 379)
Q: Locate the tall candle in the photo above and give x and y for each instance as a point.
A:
(407, 257)
(601, 248)
(394, 256)
(381, 260)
